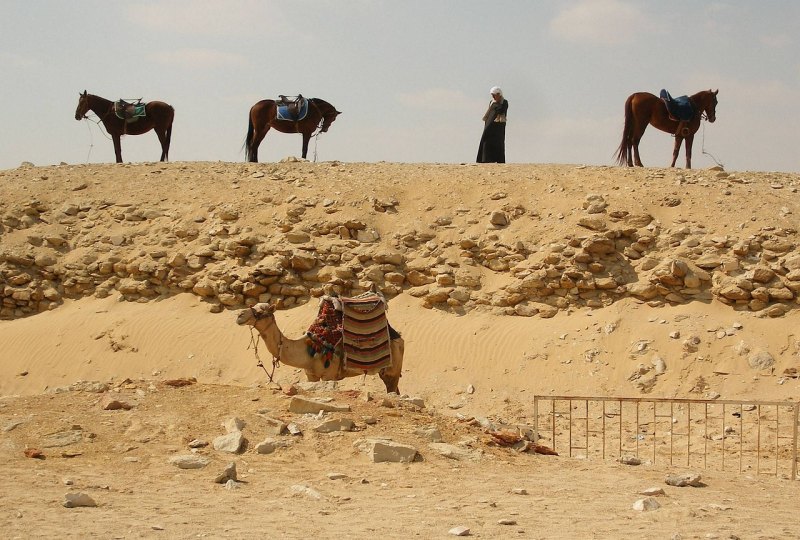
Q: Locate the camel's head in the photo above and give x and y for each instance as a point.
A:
(257, 312)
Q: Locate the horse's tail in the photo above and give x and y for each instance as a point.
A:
(627, 131)
(248, 140)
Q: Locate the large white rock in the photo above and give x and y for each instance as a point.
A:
(335, 424)
(232, 442)
(75, 500)
(380, 450)
(190, 461)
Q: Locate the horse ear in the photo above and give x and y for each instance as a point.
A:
(84, 93)
(716, 91)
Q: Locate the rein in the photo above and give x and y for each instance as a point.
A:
(254, 344)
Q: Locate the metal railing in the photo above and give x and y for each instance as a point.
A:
(751, 436)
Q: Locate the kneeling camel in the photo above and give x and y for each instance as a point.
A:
(294, 352)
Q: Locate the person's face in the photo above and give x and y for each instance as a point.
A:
(497, 97)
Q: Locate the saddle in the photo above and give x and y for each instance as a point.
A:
(363, 342)
(129, 111)
(293, 110)
(680, 109)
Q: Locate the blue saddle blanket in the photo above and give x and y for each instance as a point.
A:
(679, 108)
(294, 114)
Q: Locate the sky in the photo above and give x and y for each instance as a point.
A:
(411, 77)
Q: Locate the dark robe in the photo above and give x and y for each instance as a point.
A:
(492, 148)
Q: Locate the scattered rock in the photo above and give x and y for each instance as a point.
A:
(191, 461)
(76, 500)
(301, 405)
(646, 505)
(380, 450)
(335, 424)
(683, 480)
(34, 453)
(231, 443)
(228, 474)
(459, 531)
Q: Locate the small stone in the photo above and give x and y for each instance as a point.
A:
(189, 462)
(75, 500)
(232, 442)
(228, 474)
(233, 424)
(109, 403)
(232, 484)
(519, 491)
(652, 492)
(683, 480)
(459, 531)
(506, 521)
(307, 491)
(646, 505)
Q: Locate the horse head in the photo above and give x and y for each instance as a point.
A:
(709, 104)
(83, 106)
(329, 114)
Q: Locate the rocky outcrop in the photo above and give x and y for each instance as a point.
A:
(74, 247)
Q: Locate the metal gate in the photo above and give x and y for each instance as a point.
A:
(748, 436)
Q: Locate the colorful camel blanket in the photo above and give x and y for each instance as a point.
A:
(324, 335)
(365, 330)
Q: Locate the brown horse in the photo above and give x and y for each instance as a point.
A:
(263, 115)
(643, 108)
(158, 117)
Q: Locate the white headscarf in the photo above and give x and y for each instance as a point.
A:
(496, 90)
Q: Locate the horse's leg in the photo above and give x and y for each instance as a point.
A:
(117, 147)
(306, 138)
(162, 138)
(677, 149)
(689, 141)
(636, 159)
(258, 136)
(637, 134)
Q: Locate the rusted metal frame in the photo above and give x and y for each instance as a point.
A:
(794, 442)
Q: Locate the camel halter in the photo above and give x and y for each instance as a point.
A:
(254, 344)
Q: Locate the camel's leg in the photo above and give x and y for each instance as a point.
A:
(689, 141)
(117, 147)
(677, 149)
(306, 138)
(391, 376)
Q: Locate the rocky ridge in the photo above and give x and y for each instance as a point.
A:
(458, 237)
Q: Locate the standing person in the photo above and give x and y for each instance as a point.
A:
(492, 148)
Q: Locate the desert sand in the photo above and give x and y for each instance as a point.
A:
(506, 282)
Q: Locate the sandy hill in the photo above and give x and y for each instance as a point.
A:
(506, 281)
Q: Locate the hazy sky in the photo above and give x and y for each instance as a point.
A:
(412, 77)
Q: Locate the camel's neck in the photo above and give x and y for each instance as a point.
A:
(292, 352)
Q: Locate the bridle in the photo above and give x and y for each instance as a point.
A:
(254, 343)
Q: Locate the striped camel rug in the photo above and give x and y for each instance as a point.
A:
(366, 333)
